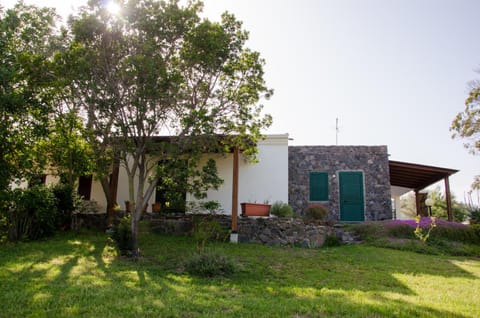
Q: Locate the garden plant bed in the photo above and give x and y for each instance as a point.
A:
(445, 238)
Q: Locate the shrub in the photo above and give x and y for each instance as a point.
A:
(5, 205)
(398, 230)
(405, 229)
(452, 231)
(475, 216)
(32, 213)
(316, 213)
(3, 226)
(369, 231)
(332, 240)
(207, 229)
(424, 223)
(210, 265)
(122, 235)
(445, 238)
(211, 206)
(66, 202)
(464, 234)
(282, 210)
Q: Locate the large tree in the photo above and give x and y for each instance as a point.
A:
(28, 39)
(65, 148)
(466, 124)
(158, 68)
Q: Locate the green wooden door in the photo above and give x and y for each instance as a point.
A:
(352, 207)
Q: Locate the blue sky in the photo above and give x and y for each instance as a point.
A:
(395, 72)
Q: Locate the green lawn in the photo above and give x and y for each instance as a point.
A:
(81, 275)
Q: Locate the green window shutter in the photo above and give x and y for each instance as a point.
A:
(318, 186)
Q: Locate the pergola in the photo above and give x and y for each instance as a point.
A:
(417, 177)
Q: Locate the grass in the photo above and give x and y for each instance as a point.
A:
(81, 275)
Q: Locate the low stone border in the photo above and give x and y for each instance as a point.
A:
(269, 231)
(89, 221)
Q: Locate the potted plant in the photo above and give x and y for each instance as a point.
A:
(255, 209)
(156, 207)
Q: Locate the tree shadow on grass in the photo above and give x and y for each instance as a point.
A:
(346, 268)
(281, 283)
(329, 288)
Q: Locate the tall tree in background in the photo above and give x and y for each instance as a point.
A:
(28, 39)
(157, 68)
(466, 124)
(439, 207)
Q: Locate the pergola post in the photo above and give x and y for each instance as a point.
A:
(448, 199)
(420, 203)
(417, 202)
(234, 235)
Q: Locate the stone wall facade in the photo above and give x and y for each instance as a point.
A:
(268, 231)
(372, 161)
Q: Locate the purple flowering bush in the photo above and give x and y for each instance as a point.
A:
(424, 223)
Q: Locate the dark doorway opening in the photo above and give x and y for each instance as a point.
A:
(171, 187)
(85, 186)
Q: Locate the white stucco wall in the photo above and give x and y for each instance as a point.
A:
(264, 181)
(98, 195)
(51, 179)
(397, 193)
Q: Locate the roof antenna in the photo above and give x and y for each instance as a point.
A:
(337, 130)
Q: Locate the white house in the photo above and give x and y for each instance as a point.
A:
(264, 181)
(355, 183)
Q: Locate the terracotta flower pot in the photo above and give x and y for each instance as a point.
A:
(156, 207)
(255, 209)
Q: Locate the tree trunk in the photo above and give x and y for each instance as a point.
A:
(70, 169)
(131, 190)
(113, 187)
(135, 229)
(108, 195)
(137, 215)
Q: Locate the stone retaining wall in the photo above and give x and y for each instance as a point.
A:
(269, 231)
(89, 221)
(372, 161)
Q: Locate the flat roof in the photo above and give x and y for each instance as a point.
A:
(415, 176)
